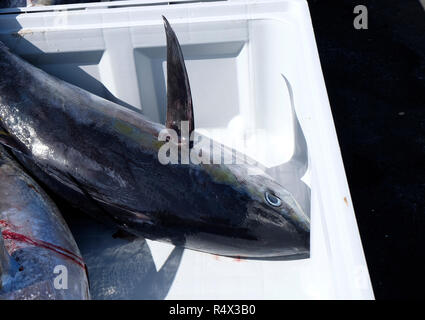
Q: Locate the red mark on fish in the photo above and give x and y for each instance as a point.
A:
(10, 235)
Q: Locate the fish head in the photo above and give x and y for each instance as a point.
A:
(265, 218)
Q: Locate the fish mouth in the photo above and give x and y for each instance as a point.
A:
(289, 244)
(291, 257)
(267, 243)
(301, 223)
(290, 237)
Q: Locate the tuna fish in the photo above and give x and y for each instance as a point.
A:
(39, 258)
(104, 158)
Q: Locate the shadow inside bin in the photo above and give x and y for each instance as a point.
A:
(121, 268)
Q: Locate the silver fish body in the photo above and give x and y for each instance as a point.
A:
(39, 257)
(104, 158)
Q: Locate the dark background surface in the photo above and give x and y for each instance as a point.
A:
(375, 80)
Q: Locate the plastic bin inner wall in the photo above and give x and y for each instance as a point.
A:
(238, 55)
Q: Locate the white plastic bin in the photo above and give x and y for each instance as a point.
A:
(236, 53)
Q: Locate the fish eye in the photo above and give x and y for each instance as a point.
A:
(272, 199)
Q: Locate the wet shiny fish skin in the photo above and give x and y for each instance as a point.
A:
(106, 156)
(35, 239)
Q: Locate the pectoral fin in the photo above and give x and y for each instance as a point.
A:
(179, 98)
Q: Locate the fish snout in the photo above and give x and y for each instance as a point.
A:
(286, 240)
(283, 230)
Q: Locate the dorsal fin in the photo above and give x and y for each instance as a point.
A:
(179, 98)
